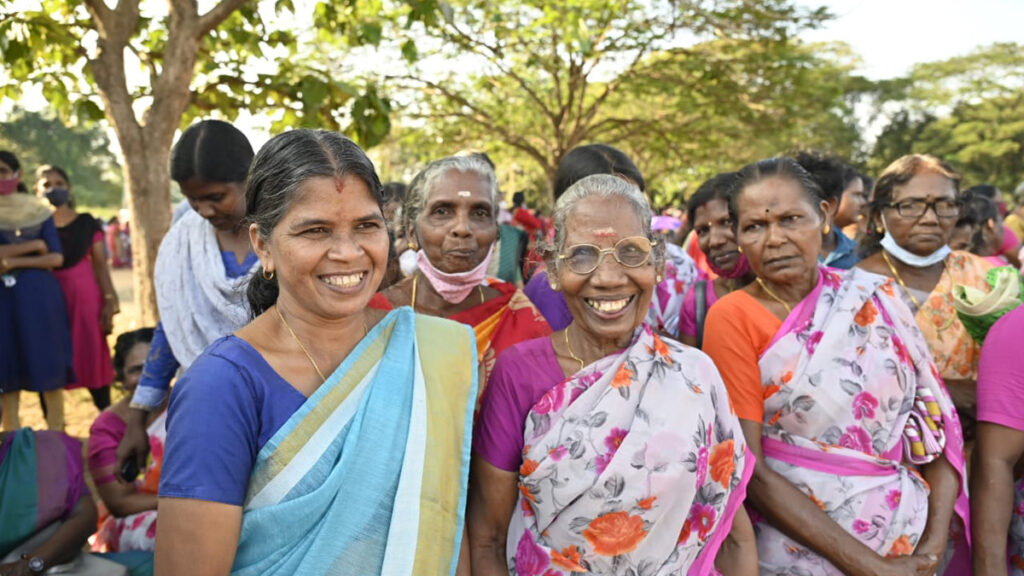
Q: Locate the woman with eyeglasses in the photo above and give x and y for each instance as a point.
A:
(912, 218)
(859, 452)
(604, 448)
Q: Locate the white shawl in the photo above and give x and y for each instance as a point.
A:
(198, 303)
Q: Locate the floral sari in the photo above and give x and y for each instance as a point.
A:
(369, 475)
(852, 404)
(633, 465)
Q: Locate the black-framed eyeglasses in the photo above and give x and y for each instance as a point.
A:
(944, 208)
(631, 252)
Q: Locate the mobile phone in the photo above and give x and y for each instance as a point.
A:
(130, 470)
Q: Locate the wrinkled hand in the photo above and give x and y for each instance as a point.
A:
(107, 316)
(135, 444)
(924, 565)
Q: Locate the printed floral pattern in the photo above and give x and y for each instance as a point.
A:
(629, 465)
(850, 340)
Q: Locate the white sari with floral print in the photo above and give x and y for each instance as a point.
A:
(853, 403)
(634, 465)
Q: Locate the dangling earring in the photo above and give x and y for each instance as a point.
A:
(658, 278)
(266, 276)
(879, 229)
(739, 249)
(827, 229)
(413, 246)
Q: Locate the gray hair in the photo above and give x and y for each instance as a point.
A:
(601, 186)
(425, 182)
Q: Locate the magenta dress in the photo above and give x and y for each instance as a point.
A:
(84, 303)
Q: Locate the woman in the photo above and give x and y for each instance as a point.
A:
(912, 217)
(988, 234)
(708, 210)
(85, 279)
(837, 397)
(35, 343)
(299, 443)
(450, 217)
(201, 268)
(679, 272)
(603, 448)
(997, 513)
(128, 518)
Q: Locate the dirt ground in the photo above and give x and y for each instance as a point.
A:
(79, 411)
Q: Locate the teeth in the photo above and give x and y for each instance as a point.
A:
(608, 305)
(346, 281)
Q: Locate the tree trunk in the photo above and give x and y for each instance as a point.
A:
(147, 175)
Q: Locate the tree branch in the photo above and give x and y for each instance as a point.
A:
(217, 14)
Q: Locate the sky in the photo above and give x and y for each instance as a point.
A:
(892, 35)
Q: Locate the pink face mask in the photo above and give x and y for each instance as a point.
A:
(453, 287)
(739, 270)
(9, 186)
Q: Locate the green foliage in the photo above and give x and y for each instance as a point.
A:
(968, 110)
(84, 152)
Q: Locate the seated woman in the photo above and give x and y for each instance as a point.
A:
(604, 448)
(128, 513)
(451, 218)
(912, 218)
(997, 513)
(708, 210)
(860, 454)
(324, 436)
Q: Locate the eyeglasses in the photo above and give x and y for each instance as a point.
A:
(631, 252)
(916, 208)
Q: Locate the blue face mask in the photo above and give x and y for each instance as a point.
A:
(908, 257)
(58, 196)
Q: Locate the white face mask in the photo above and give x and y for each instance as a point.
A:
(909, 258)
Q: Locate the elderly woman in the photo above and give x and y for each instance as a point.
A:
(604, 448)
(324, 436)
(708, 211)
(912, 218)
(450, 215)
(859, 449)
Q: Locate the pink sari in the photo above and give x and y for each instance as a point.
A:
(635, 464)
(853, 403)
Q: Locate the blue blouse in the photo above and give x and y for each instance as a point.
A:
(228, 404)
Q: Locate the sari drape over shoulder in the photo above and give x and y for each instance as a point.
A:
(633, 465)
(347, 485)
(852, 404)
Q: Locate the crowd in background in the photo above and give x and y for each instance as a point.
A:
(805, 369)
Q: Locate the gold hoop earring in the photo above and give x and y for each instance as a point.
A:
(268, 277)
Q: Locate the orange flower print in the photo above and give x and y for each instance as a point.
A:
(770, 390)
(787, 377)
(568, 558)
(526, 492)
(528, 467)
(684, 534)
(887, 288)
(722, 463)
(901, 547)
(646, 503)
(623, 377)
(614, 534)
(662, 349)
(867, 314)
(817, 502)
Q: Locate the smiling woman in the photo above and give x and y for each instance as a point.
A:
(307, 430)
(830, 379)
(604, 448)
(450, 217)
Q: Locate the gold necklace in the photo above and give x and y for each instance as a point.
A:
(899, 279)
(299, 342)
(571, 353)
(416, 278)
(768, 291)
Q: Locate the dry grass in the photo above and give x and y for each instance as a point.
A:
(79, 411)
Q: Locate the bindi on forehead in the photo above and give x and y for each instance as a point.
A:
(606, 233)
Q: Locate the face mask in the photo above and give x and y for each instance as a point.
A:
(738, 271)
(453, 287)
(909, 258)
(58, 196)
(9, 186)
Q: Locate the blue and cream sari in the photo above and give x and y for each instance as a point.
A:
(347, 485)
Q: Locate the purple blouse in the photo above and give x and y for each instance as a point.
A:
(521, 376)
(688, 314)
(550, 303)
(1000, 379)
